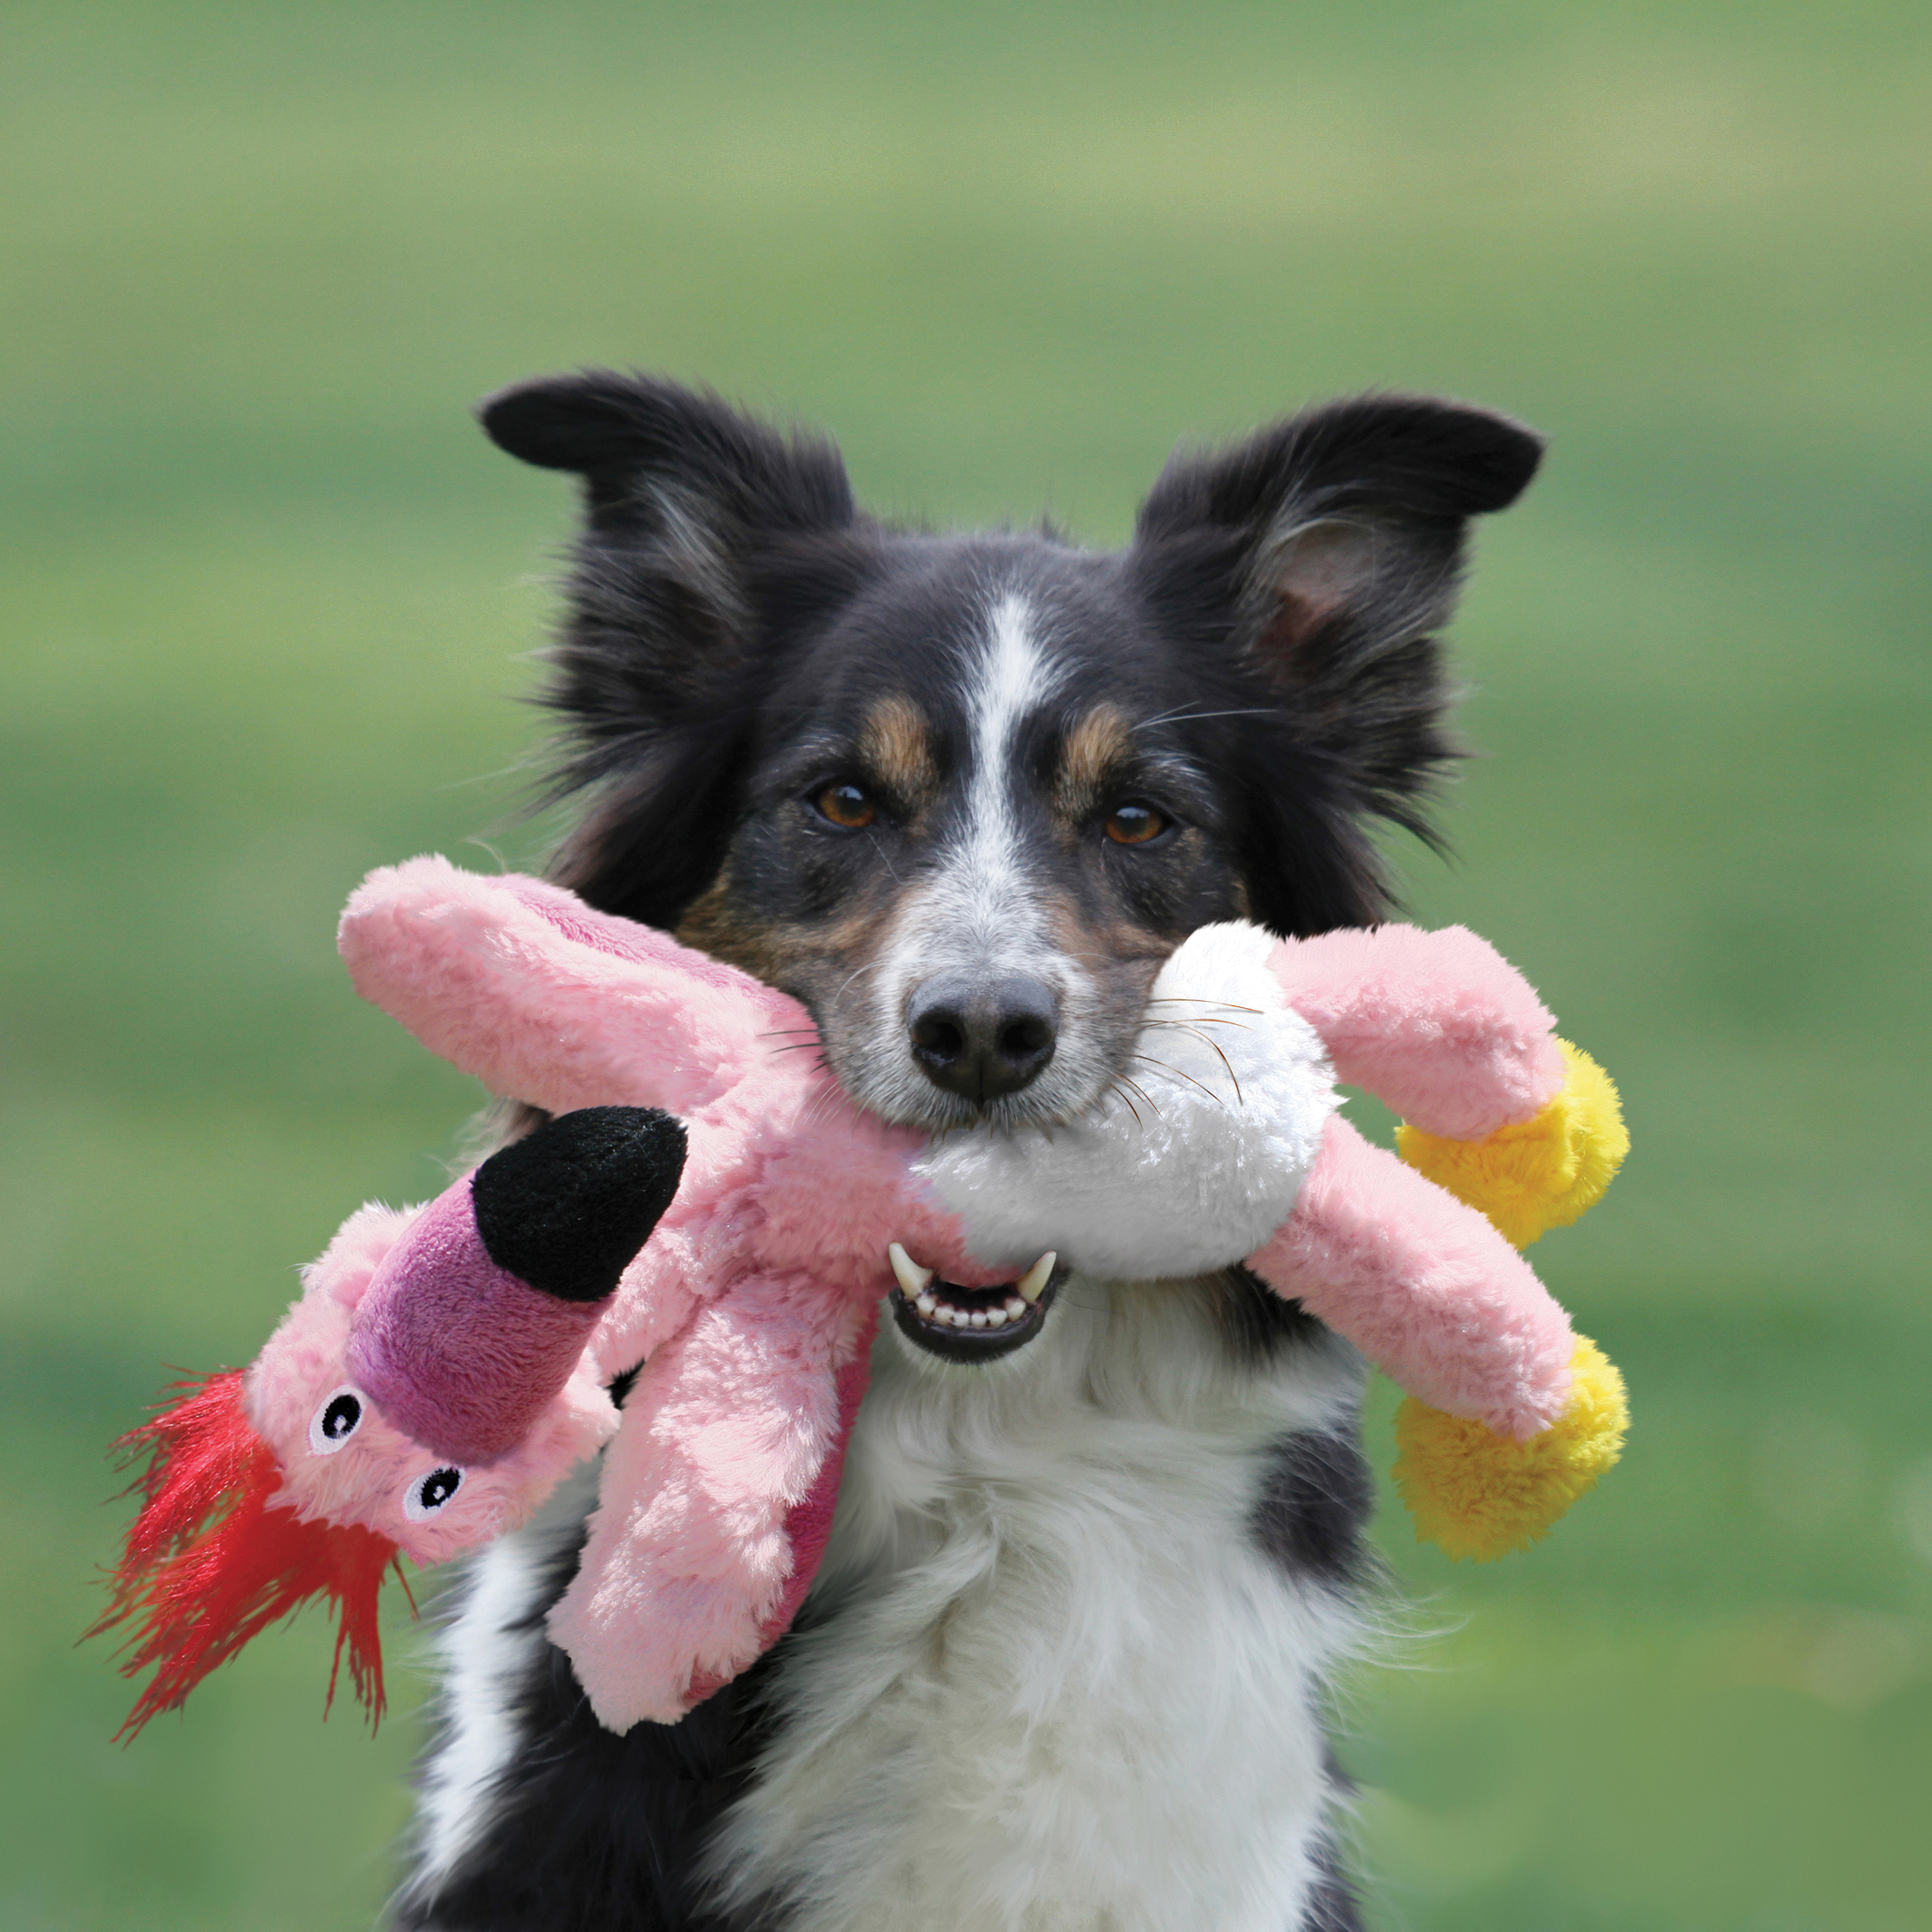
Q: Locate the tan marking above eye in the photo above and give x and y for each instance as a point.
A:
(846, 804)
(1098, 743)
(896, 745)
(1136, 824)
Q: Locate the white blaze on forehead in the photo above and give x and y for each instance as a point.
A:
(984, 905)
(983, 878)
(1011, 679)
(982, 909)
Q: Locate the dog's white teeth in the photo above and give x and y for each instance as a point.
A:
(1032, 1284)
(917, 1284)
(911, 1277)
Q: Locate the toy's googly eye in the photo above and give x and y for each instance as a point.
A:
(428, 1494)
(336, 1420)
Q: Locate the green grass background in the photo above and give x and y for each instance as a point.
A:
(268, 598)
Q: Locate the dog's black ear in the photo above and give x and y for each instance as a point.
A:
(705, 534)
(646, 448)
(1325, 554)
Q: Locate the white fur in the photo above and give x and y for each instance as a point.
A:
(979, 910)
(1196, 1171)
(1062, 1690)
(486, 1661)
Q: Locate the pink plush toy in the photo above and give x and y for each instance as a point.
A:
(446, 1366)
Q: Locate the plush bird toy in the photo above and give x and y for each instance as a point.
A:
(685, 1265)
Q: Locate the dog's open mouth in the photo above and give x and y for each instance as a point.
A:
(971, 1324)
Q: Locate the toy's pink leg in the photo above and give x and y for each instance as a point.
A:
(1439, 1024)
(722, 1479)
(541, 998)
(1424, 1286)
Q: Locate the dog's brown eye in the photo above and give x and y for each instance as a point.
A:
(1135, 824)
(846, 804)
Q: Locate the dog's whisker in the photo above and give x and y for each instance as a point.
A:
(1184, 716)
(1240, 1098)
(1180, 1076)
(859, 973)
(1201, 1000)
(1201, 1020)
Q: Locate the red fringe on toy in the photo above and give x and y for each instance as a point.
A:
(209, 1564)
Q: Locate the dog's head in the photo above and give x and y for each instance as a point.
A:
(961, 796)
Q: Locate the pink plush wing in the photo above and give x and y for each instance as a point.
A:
(1424, 1286)
(546, 1001)
(717, 1496)
(1439, 1024)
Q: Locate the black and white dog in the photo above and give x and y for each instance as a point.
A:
(1062, 1668)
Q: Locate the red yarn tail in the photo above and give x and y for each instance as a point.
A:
(210, 1562)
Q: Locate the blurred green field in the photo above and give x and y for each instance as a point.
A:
(268, 598)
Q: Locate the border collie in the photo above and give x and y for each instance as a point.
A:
(1063, 1668)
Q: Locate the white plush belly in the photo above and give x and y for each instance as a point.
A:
(1188, 1163)
(1058, 1688)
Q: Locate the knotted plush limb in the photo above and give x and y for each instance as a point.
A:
(1439, 1024)
(1495, 1442)
(546, 1001)
(1530, 1176)
(1474, 1494)
(720, 1483)
(1424, 1286)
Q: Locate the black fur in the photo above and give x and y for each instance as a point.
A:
(709, 541)
(1314, 1502)
(1285, 593)
(566, 1207)
(1258, 1322)
(595, 1832)
(1270, 637)
(1334, 1906)
(1316, 1496)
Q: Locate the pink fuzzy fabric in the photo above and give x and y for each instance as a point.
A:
(746, 1303)
(688, 1558)
(751, 1305)
(523, 985)
(1424, 1286)
(305, 1362)
(456, 1352)
(1439, 1024)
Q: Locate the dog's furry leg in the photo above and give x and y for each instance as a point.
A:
(534, 1817)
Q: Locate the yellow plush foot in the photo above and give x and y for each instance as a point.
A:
(1534, 1175)
(1478, 1495)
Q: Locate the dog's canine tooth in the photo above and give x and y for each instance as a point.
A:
(1033, 1284)
(914, 1279)
(927, 1303)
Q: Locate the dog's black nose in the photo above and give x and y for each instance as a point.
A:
(982, 1037)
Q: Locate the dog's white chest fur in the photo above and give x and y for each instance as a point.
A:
(1055, 1684)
